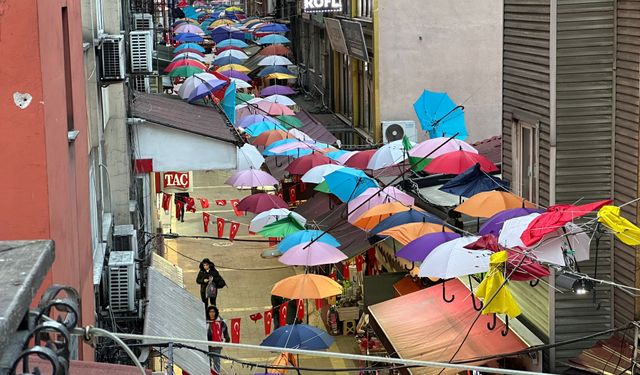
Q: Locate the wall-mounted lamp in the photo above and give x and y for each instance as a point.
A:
(72, 135)
(576, 284)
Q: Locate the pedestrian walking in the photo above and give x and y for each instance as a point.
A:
(181, 203)
(217, 331)
(210, 281)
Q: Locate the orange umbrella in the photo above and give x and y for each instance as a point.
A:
(406, 233)
(489, 203)
(306, 286)
(374, 215)
(270, 136)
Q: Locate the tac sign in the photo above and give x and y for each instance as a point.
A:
(320, 6)
(177, 181)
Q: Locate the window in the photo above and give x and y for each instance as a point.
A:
(525, 160)
(363, 9)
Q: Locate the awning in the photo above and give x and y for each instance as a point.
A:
(422, 326)
(379, 288)
(173, 312)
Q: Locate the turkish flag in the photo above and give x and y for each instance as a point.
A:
(292, 195)
(333, 276)
(303, 187)
(255, 317)
(234, 204)
(233, 230)
(283, 314)
(204, 202)
(359, 263)
(373, 262)
(345, 270)
(235, 330)
(319, 303)
(220, 223)
(205, 220)
(280, 195)
(221, 202)
(179, 206)
(191, 204)
(300, 309)
(216, 331)
(273, 241)
(268, 320)
(166, 201)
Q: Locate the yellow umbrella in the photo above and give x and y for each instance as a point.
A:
(279, 76)
(625, 230)
(233, 9)
(306, 286)
(376, 214)
(489, 203)
(236, 67)
(221, 22)
(406, 233)
(491, 289)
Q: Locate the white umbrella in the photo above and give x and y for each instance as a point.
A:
(316, 174)
(240, 84)
(233, 53)
(280, 99)
(267, 217)
(249, 157)
(248, 102)
(451, 259)
(552, 246)
(275, 60)
(300, 135)
(188, 55)
(390, 154)
(193, 82)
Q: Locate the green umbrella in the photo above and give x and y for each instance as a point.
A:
(323, 187)
(281, 228)
(291, 121)
(185, 71)
(243, 97)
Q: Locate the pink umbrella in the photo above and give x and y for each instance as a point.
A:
(261, 202)
(265, 108)
(344, 157)
(374, 197)
(312, 254)
(251, 178)
(423, 149)
(294, 145)
(188, 29)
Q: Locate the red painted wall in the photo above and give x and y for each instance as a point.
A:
(45, 190)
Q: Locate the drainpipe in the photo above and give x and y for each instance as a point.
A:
(553, 33)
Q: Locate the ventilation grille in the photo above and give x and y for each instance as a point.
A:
(141, 83)
(141, 49)
(113, 58)
(142, 21)
(121, 281)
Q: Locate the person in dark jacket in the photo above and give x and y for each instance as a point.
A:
(213, 315)
(209, 275)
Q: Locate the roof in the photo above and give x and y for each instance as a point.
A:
(490, 148)
(173, 312)
(314, 128)
(611, 356)
(171, 111)
(422, 326)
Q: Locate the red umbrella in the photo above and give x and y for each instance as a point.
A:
(222, 49)
(185, 62)
(302, 165)
(529, 269)
(361, 159)
(261, 202)
(556, 217)
(275, 49)
(459, 161)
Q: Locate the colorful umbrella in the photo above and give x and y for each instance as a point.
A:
(312, 254)
(188, 28)
(390, 154)
(299, 336)
(267, 217)
(273, 39)
(281, 228)
(279, 76)
(373, 197)
(435, 147)
(189, 46)
(185, 71)
(316, 174)
(407, 233)
(225, 60)
(274, 69)
(261, 202)
(360, 160)
(494, 224)
(411, 216)
(291, 121)
(221, 22)
(451, 259)
(231, 43)
(273, 28)
(251, 178)
(418, 249)
(247, 121)
(459, 161)
(233, 53)
(275, 49)
(280, 99)
(375, 215)
(473, 181)
(335, 155)
(244, 97)
(257, 129)
(268, 137)
(489, 203)
(304, 164)
(439, 115)
(626, 231)
(184, 62)
(221, 33)
(274, 60)
(228, 48)
(348, 183)
(555, 217)
(188, 55)
(493, 292)
(189, 37)
(236, 67)
(309, 235)
(277, 90)
(236, 74)
(240, 84)
(306, 286)
(291, 146)
(297, 133)
(249, 156)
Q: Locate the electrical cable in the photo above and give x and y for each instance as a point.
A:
(94, 331)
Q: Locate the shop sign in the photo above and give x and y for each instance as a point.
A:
(354, 38)
(336, 37)
(321, 6)
(176, 181)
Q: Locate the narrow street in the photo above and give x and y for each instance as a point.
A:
(249, 277)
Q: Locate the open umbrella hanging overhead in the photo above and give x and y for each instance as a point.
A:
(306, 286)
(273, 39)
(494, 224)
(308, 235)
(188, 55)
(439, 115)
(298, 336)
(376, 214)
(190, 84)
(277, 90)
(184, 62)
(406, 233)
(304, 164)
(418, 249)
(316, 174)
(435, 147)
(261, 202)
(280, 99)
(267, 217)
(451, 259)
(252, 119)
(624, 230)
(390, 154)
(473, 181)
(312, 254)
(251, 178)
(274, 60)
(268, 137)
(411, 216)
(231, 43)
(281, 228)
(360, 160)
(348, 183)
(189, 46)
(459, 161)
(249, 155)
(275, 49)
(489, 203)
(375, 196)
(233, 53)
(185, 71)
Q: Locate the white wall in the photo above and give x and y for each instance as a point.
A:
(176, 150)
(460, 53)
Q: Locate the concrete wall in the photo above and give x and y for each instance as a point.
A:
(453, 46)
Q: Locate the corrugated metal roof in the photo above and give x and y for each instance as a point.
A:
(611, 356)
(173, 312)
(167, 269)
(171, 111)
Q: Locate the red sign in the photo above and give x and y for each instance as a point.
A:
(175, 180)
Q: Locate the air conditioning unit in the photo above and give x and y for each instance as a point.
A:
(142, 21)
(140, 51)
(125, 238)
(122, 283)
(141, 83)
(395, 130)
(112, 58)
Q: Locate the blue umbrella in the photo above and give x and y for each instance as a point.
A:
(473, 181)
(232, 43)
(348, 183)
(204, 89)
(274, 69)
(439, 115)
(260, 127)
(224, 32)
(181, 47)
(273, 28)
(306, 236)
(188, 37)
(247, 121)
(418, 249)
(334, 155)
(220, 61)
(411, 216)
(298, 336)
(273, 39)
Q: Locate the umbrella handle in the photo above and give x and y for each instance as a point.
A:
(534, 283)
(473, 298)
(413, 265)
(505, 331)
(278, 165)
(444, 294)
(491, 326)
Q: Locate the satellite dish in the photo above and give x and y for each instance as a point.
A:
(394, 132)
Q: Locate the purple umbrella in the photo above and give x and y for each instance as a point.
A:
(494, 223)
(418, 249)
(277, 90)
(247, 121)
(236, 74)
(261, 202)
(251, 178)
(204, 89)
(312, 254)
